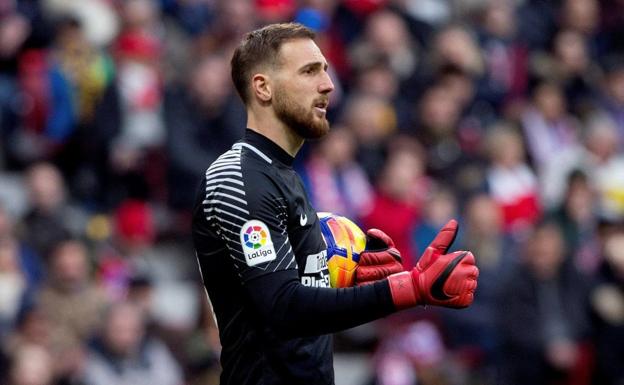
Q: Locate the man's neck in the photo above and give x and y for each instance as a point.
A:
(276, 131)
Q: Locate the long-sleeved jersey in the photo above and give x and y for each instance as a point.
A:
(263, 262)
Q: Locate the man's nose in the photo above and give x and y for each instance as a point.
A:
(326, 85)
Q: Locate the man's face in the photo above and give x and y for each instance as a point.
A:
(301, 88)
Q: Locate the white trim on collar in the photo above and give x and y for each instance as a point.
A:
(254, 149)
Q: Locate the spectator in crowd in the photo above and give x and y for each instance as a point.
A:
(126, 256)
(484, 223)
(401, 190)
(415, 354)
(377, 79)
(543, 307)
(583, 16)
(387, 37)
(597, 157)
(576, 217)
(141, 292)
(235, 18)
(471, 125)
(28, 262)
(612, 95)
(204, 118)
(546, 125)
(32, 327)
(455, 45)
(438, 207)
(72, 303)
(458, 84)
(505, 57)
(372, 120)
(437, 117)
(335, 181)
(51, 218)
(605, 165)
(15, 29)
(570, 66)
(88, 70)
(13, 284)
(474, 336)
(46, 113)
(31, 365)
(124, 353)
(39, 113)
(128, 124)
(607, 302)
(510, 181)
(322, 17)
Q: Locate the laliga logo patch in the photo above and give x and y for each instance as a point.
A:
(257, 245)
(255, 237)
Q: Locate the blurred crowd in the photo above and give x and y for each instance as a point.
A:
(505, 114)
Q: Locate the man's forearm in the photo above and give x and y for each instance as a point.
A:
(296, 310)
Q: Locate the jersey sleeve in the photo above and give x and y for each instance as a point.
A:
(249, 213)
(294, 310)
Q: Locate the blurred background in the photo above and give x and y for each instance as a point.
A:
(505, 114)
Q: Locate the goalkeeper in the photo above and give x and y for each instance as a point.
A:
(258, 238)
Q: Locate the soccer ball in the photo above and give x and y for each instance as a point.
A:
(345, 241)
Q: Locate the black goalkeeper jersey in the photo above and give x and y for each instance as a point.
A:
(263, 262)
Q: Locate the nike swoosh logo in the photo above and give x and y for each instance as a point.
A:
(437, 289)
(303, 219)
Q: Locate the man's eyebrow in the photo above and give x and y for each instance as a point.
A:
(314, 65)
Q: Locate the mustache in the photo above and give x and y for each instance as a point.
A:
(322, 100)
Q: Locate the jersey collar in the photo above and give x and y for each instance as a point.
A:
(267, 147)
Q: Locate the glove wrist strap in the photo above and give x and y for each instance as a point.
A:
(403, 292)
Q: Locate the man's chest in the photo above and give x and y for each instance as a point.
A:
(304, 234)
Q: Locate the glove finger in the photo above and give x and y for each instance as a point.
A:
(469, 259)
(464, 301)
(462, 275)
(368, 276)
(380, 258)
(431, 255)
(378, 240)
(375, 259)
(462, 282)
(474, 274)
(426, 259)
(466, 269)
(375, 273)
(467, 297)
(366, 273)
(473, 286)
(442, 242)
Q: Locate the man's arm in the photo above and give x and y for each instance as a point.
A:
(296, 310)
(440, 279)
(253, 221)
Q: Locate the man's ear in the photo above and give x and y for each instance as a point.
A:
(261, 87)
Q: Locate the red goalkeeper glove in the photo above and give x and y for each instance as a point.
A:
(379, 260)
(441, 279)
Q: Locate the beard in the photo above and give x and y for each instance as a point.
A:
(298, 118)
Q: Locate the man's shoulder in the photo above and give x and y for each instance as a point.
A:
(244, 162)
(242, 176)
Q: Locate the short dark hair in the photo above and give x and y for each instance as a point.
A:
(262, 47)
